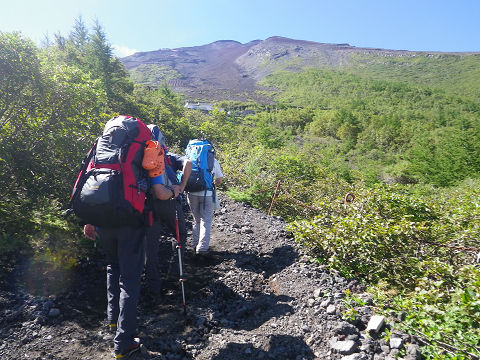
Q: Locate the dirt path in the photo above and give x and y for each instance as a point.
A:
(255, 297)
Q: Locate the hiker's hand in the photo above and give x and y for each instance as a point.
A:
(181, 188)
(218, 181)
(90, 232)
(177, 189)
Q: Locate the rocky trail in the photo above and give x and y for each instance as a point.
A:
(256, 296)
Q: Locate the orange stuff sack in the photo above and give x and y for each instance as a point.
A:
(153, 159)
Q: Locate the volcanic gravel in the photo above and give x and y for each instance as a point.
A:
(256, 295)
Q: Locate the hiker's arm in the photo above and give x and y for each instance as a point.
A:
(165, 193)
(186, 171)
(217, 172)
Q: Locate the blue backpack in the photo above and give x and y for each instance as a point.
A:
(202, 155)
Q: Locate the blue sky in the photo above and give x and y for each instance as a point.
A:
(146, 25)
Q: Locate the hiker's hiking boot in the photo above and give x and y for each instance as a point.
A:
(202, 257)
(135, 351)
(188, 253)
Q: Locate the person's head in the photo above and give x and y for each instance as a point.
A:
(157, 135)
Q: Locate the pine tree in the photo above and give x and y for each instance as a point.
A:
(100, 56)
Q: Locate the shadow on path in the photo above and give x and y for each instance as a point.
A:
(232, 310)
(282, 347)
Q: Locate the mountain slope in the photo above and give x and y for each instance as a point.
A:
(201, 71)
(231, 70)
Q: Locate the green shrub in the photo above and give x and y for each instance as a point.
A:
(379, 236)
(412, 246)
(445, 314)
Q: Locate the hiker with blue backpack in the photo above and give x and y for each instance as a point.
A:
(201, 195)
(166, 212)
(109, 197)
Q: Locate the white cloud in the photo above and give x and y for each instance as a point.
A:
(122, 51)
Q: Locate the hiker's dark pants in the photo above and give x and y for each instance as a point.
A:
(156, 265)
(125, 252)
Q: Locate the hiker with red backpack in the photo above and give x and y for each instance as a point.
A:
(201, 195)
(109, 196)
(166, 212)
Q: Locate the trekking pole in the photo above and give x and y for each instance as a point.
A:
(180, 266)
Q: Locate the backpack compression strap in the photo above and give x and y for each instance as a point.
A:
(82, 177)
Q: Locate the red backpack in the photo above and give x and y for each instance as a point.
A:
(111, 187)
